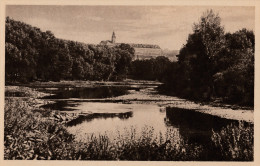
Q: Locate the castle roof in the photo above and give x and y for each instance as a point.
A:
(144, 45)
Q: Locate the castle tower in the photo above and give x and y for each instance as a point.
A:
(113, 38)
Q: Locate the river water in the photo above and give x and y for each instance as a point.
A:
(113, 118)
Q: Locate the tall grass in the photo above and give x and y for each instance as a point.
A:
(29, 134)
(146, 146)
(235, 142)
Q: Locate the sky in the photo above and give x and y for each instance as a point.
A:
(166, 26)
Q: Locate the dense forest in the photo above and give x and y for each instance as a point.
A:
(35, 55)
(212, 64)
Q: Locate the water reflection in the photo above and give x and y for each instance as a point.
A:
(61, 105)
(111, 118)
(84, 92)
(106, 117)
(194, 126)
(103, 118)
(90, 117)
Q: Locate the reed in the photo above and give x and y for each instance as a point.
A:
(235, 142)
(144, 146)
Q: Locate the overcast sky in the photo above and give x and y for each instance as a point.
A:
(166, 26)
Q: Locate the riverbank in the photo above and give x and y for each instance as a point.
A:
(79, 83)
(33, 132)
(144, 92)
(223, 111)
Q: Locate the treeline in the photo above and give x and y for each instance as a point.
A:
(150, 69)
(212, 64)
(31, 54)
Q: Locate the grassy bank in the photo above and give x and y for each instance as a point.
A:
(30, 134)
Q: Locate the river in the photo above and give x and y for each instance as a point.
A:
(115, 110)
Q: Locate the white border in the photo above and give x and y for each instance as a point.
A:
(255, 3)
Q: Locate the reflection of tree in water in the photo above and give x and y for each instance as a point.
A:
(61, 105)
(196, 127)
(86, 92)
(90, 117)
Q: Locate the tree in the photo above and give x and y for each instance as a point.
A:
(160, 66)
(78, 72)
(13, 62)
(211, 33)
(198, 55)
(235, 78)
(123, 55)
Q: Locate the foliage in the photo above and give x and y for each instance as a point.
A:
(235, 142)
(234, 79)
(35, 55)
(147, 146)
(150, 69)
(213, 64)
(29, 136)
(197, 56)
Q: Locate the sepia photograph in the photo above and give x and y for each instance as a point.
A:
(129, 82)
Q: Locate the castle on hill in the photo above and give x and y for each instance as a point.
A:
(142, 51)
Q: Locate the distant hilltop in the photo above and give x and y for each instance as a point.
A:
(142, 51)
